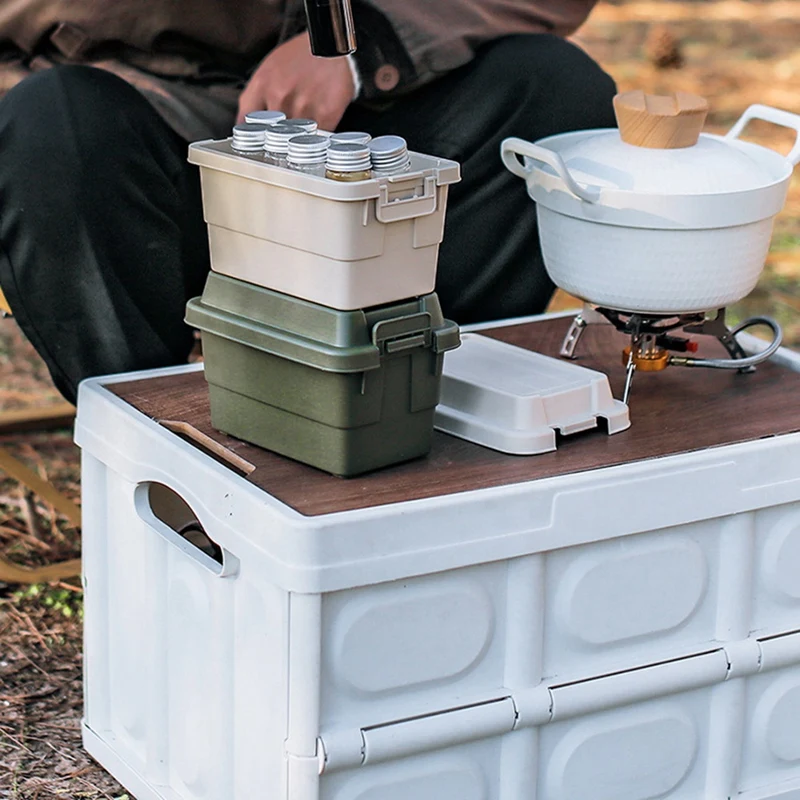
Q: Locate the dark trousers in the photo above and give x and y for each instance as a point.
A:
(102, 238)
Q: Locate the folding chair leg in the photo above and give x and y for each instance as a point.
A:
(57, 415)
(13, 573)
(62, 504)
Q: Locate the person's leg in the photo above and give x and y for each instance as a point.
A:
(102, 237)
(490, 266)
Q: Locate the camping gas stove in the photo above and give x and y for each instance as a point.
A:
(655, 343)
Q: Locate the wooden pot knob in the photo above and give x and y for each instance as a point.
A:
(664, 122)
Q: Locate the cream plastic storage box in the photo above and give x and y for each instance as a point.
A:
(343, 245)
(582, 637)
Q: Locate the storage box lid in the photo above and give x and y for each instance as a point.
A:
(425, 169)
(514, 400)
(322, 337)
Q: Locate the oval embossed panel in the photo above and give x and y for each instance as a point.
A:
(456, 780)
(776, 720)
(633, 760)
(608, 598)
(781, 557)
(404, 639)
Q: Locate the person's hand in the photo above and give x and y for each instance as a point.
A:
(292, 80)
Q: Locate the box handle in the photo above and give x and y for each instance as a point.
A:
(387, 210)
(167, 514)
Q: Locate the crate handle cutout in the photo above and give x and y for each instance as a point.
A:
(212, 448)
(172, 518)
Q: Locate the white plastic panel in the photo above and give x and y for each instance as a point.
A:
(593, 605)
(648, 755)
(633, 600)
(192, 661)
(468, 772)
(771, 751)
(128, 666)
(653, 749)
(776, 595)
(789, 790)
(451, 630)
(411, 645)
(260, 686)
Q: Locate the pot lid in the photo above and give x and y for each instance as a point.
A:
(659, 149)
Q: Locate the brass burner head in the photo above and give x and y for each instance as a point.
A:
(647, 361)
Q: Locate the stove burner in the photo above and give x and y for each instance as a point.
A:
(653, 342)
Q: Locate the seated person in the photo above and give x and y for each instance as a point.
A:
(102, 238)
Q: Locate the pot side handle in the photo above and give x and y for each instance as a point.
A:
(783, 118)
(511, 148)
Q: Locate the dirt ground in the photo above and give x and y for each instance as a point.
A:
(732, 51)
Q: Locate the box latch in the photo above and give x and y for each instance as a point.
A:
(393, 206)
(403, 333)
(345, 749)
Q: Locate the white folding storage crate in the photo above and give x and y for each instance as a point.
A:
(343, 245)
(623, 633)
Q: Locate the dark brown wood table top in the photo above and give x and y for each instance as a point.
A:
(675, 411)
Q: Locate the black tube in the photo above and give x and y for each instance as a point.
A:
(330, 27)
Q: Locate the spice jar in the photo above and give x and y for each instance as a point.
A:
(265, 117)
(348, 161)
(389, 155)
(249, 137)
(356, 137)
(277, 142)
(307, 153)
(308, 125)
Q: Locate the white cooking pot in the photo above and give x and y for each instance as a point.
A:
(641, 219)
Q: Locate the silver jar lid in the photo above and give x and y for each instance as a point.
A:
(265, 117)
(348, 157)
(308, 125)
(307, 149)
(248, 137)
(359, 137)
(389, 154)
(278, 135)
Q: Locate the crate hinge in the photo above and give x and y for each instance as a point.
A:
(347, 748)
(778, 652)
(540, 705)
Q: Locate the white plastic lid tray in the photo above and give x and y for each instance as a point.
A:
(514, 400)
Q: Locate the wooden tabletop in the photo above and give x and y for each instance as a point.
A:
(674, 411)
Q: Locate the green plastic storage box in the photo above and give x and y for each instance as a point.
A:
(344, 391)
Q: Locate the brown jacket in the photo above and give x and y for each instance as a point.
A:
(191, 58)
